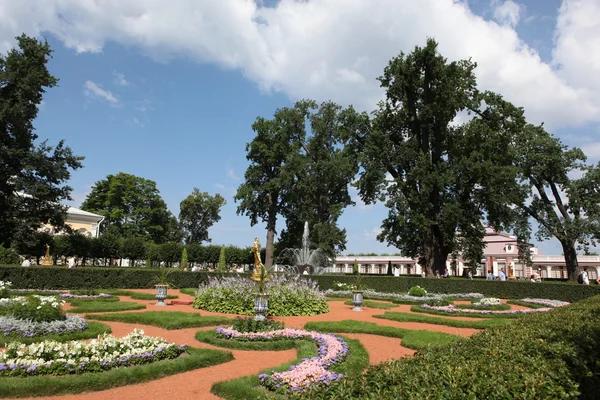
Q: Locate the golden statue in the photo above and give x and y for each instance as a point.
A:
(258, 274)
(46, 260)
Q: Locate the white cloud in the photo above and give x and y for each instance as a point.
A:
(372, 234)
(93, 91)
(507, 12)
(232, 175)
(119, 79)
(334, 49)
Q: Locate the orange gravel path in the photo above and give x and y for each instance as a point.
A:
(196, 384)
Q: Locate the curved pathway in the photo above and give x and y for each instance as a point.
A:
(196, 384)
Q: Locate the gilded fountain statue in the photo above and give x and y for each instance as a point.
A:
(259, 269)
(46, 260)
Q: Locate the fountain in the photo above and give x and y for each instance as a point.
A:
(46, 260)
(305, 258)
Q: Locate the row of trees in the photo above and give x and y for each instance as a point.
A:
(109, 248)
(132, 207)
(442, 180)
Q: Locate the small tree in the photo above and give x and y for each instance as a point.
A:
(355, 270)
(184, 258)
(222, 263)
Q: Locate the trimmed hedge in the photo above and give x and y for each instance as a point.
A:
(140, 278)
(551, 355)
(503, 289)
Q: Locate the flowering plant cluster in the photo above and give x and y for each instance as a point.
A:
(41, 290)
(101, 354)
(547, 302)
(488, 302)
(311, 372)
(83, 296)
(290, 295)
(452, 309)
(369, 293)
(5, 289)
(35, 308)
(11, 326)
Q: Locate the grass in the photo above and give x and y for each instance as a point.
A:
(100, 306)
(210, 337)
(165, 319)
(135, 295)
(417, 340)
(372, 304)
(93, 330)
(110, 299)
(419, 309)
(189, 291)
(249, 388)
(406, 317)
(52, 385)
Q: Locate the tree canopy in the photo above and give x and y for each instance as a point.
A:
(132, 206)
(198, 212)
(565, 206)
(300, 169)
(439, 178)
(33, 175)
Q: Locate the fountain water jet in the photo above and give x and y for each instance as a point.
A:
(305, 257)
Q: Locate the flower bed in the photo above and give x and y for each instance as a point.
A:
(75, 357)
(452, 309)
(378, 295)
(311, 372)
(235, 295)
(488, 302)
(48, 291)
(34, 308)
(11, 326)
(546, 302)
(84, 296)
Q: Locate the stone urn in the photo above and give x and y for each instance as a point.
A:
(161, 294)
(261, 306)
(357, 299)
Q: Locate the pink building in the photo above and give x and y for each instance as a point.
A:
(501, 252)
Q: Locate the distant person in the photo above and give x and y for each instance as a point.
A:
(73, 261)
(239, 269)
(305, 271)
(502, 275)
(470, 275)
(490, 276)
(446, 274)
(423, 274)
(584, 277)
(26, 262)
(396, 271)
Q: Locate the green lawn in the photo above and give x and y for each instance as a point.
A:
(135, 295)
(100, 306)
(406, 317)
(417, 340)
(419, 309)
(165, 319)
(210, 337)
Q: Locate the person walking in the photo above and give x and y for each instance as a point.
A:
(26, 262)
(73, 261)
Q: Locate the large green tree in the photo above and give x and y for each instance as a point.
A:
(131, 206)
(439, 178)
(565, 206)
(322, 171)
(198, 212)
(32, 175)
(261, 195)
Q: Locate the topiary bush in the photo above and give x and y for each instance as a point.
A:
(244, 325)
(288, 296)
(417, 291)
(549, 355)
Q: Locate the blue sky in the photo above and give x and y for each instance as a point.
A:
(168, 92)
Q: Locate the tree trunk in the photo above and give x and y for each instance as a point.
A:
(271, 221)
(435, 256)
(570, 260)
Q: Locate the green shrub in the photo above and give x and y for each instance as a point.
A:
(417, 291)
(38, 309)
(549, 355)
(8, 256)
(251, 325)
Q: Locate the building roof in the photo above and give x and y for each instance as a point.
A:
(76, 212)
